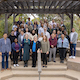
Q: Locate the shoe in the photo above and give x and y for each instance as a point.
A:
(8, 69)
(73, 57)
(17, 65)
(54, 61)
(61, 61)
(2, 70)
(14, 65)
(46, 66)
(70, 57)
(26, 65)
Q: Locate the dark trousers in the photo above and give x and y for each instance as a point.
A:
(3, 56)
(44, 58)
(34, 59)
(73, 46)
(25, 62)
(62, 52)
(15, 57)
(20, 54)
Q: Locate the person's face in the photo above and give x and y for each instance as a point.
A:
(54, 31)
(5, 36)
(26, 29)
(15, 29)
(22, 32)
(26, 36)
(73, 30)
(59, 27)
(53, 35)
(61, 22)
(62, 36)
(19, 19)
(26, 26)
(19, 30)
(58, 32)
(44, 37)
(45, 29)
(53, 20)
(42, 24)
(33, 31)
(34, 26)
(15, 40)
(64, 32)
(28, 19)
(62, 28)
(12, 32)
(54, 26)
(35, 38)
(18, 25)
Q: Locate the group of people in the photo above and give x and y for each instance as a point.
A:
(28, 39)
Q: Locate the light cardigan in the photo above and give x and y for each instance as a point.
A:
(45, 46)
(74, 38)
(65, 43)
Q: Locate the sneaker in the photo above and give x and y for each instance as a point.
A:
(14, 65)
(73, 57)
(17, 65)
(70, 57)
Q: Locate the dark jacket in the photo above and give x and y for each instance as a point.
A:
(38, 45)
(13, 46)
(12, 38)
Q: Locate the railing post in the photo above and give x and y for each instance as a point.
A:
(39, 64)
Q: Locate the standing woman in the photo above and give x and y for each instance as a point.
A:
(16, 49)
(45, 50)
(62, 44)
(25, 50)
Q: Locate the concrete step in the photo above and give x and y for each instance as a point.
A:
(74, 64)
(49, 68)
(78, 51)
(36, 78)
(34, 74)
(78, 44)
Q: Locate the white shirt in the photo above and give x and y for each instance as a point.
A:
(22, 36)
(41, 30)
(72, 33)
(47, 34)
(14, 27)
(40, 39)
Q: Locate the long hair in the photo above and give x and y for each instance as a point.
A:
(46, 38)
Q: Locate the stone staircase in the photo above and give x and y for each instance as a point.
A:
(70, 70)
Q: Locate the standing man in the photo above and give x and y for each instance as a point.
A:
(5, 50)
(73, 41)
(20, 40)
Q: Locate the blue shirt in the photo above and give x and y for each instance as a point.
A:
(34, 47)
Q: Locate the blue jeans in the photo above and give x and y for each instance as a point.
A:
(3, 56)
(73, 49)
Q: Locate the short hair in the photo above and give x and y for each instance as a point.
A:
(22, 31)
(5, 33)
(12, 30)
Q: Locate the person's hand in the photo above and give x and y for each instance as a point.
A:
(52, 46)
(71, 42)
(1, 53)
(21, 45)
(31, 51)
(17, 51)
(47, 52)
(38, 50)
(41, 51)
(9, 53)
